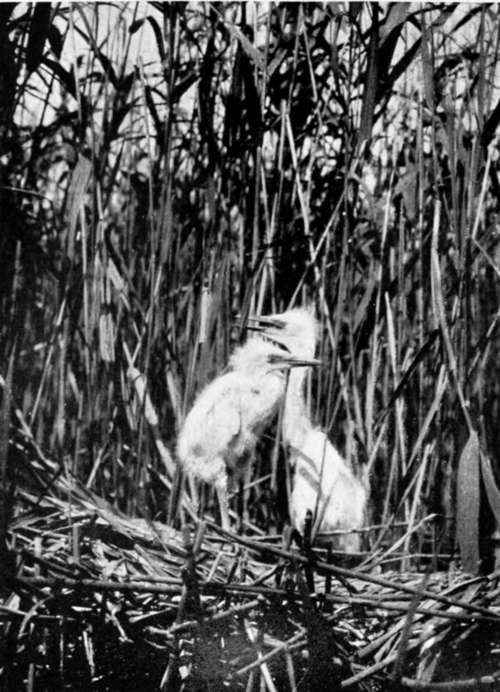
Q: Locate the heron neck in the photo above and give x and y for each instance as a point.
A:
(296, 422)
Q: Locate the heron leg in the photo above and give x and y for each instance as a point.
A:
(221, 490)
(175, 496)
(244, 495)
(194, 491)
(241, 504)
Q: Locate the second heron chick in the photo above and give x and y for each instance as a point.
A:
(296, 331)
(323, 483)
(222, 428)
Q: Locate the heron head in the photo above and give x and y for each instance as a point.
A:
(260, 355)
(295, 330)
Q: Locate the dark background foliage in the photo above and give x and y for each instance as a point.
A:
(165, 168)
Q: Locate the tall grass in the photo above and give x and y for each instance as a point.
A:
(168, 167)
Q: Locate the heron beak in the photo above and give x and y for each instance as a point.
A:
(269, 334)
(292, 362)
(265, 321)
(270, 327)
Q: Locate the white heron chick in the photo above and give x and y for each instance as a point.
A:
(221, 430)
(325, 484)
(296, 330)
(323, 481)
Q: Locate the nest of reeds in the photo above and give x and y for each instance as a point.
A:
(92, 599)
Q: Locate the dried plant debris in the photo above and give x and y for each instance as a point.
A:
(98, 599)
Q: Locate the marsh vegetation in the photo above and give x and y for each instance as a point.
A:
(167, 169)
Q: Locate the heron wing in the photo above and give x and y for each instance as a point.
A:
(224, 409)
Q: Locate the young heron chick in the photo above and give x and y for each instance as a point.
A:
(323, 481)
(296, 331)
(221, 430)
(325, 484)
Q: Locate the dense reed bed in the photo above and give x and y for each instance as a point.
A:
(167, 169)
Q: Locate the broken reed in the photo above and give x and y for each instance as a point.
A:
(229, 171)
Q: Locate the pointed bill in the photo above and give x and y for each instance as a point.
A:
(270, 327)
(265, 321)
(269, 334)
(290, 361)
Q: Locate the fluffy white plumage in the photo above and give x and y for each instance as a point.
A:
(221, 430)
(297, 331)
(325, 484)
(323, 481)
